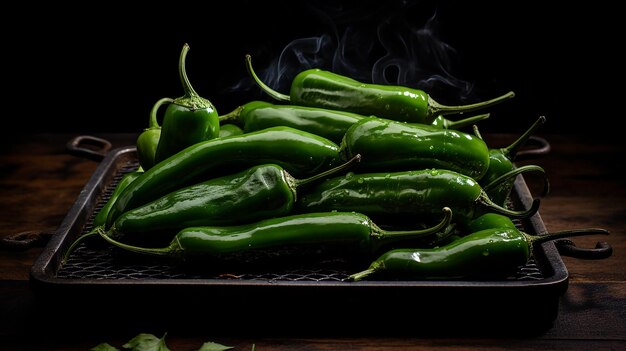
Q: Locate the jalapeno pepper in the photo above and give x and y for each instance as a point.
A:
(501, 159)
(331, 124)
(499, 189)
(401, 196)
(189, 119)
(352, 234)
(101, 217)
(300, 153)
(259, 192)
(148, 140)
(324, 89)
(501, 162)
(388, 145)
(490, 253)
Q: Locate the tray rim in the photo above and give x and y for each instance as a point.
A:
(43, 271)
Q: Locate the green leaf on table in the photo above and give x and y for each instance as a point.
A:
(103, 347)
(212, 346)
(146, 342)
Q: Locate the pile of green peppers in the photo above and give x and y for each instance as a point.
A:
(372, 173)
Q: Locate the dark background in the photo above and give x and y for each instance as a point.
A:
(74, 69)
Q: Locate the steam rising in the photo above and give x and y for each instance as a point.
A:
(393, 51)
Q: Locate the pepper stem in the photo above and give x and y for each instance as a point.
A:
(271, 92)
(190, 99)
(511, 151)
(435, 108)
(385, 236)
(541, 238)
(527, 168)
(462, 123)
(485, 201)
(233, 116)
(79, 241)
(182, 72)
(342, 167)
(154, 123)
(364, 274)
(162, 251)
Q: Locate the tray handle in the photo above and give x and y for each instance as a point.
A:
(25, 240)
(567, 247)
(541, 148)
(88, 146)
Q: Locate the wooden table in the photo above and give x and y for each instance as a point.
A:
(40, 180)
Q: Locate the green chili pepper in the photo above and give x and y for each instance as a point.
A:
(257, 115)
(398, 196)
(101, 217)
(388, 145)
(491, 253)
(490, 221)
(257, 193)
(324, 89)
(499, 189)
(188, 119)
(229, 129)
(501, 159)
(331, 124)
(501, 162)
(148, 140)
(300, 153)
(260, 192)
(352, 234)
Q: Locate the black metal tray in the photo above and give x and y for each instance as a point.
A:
(301, 300)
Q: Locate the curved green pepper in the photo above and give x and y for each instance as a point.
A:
(400, 196)
(331, 124)
(501, 162)
(490, 253)
(259, 192)
(388, 145)
(319, 88)
(101, 217)
(148, 140)
(501, 159)
(350, 233)
(103, 213)
(299, 152)
(188, 119)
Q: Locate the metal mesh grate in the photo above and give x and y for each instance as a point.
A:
(108, 263)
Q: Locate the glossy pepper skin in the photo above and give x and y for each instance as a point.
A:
(501, 161)
(330, 124)
(257, 193)
(229, 129)
(148, 140)
(388, 145)
(257, 115)
(298, 152)
(350, 233)
(324, 89)
(495, 251)
(189, 119)
(405, 195)
(101, 217)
